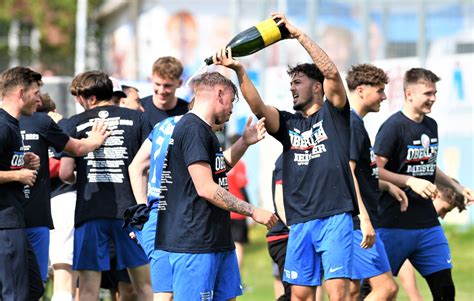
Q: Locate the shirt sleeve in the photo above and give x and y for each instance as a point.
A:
(55, 136)
(386, 140)
(196, 144)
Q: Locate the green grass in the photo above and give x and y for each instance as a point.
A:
(258, 280)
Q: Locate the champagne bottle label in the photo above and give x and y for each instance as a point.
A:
(269, 31)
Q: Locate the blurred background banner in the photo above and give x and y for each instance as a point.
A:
(124, 38)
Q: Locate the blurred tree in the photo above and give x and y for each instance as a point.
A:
(55, 20)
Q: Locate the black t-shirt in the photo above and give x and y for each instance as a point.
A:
(103, 183)
(411, 149)
(280, 228)
(11, 158)
(39, 132)
(317, 180)
(188, 223)
(155, 115)
(58, 187)
(366, 169)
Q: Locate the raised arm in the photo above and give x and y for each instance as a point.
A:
(250, 93)
(252, 134)
(138, 171)
(333, 84)
(201, 174)
(81, 147)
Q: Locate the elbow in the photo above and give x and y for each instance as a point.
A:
(67, 176)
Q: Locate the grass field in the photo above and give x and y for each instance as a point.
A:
(257, 274)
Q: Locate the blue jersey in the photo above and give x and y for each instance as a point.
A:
(366, 171)
(316, 173)
(39, 132)
(188, 223)
(160, 138)
(155, 115)
(411, 149)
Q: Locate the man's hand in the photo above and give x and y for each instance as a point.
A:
(399, 195)
(32, 161)
(98, 133)
(424, 188)
(224, 58)
(469, 195)
(254, 133)
(264, 217)
(368, 233)
(26, 176)
(293, 30)
(55, 116)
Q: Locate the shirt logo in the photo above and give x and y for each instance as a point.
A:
(103, 114)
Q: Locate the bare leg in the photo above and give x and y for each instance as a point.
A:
(126, 292)
(65, 280)
(89, 285)
(303, 293)
(338, 289)
(141, 281)
(163, 297)
(408, 281)
(278, 287)
(383, 287)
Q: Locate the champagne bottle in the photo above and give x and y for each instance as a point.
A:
(256, 38)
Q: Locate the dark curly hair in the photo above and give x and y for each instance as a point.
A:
(365, 74)
(310, 70)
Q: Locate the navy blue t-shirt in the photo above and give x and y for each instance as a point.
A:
(277, 179)
(188, 223)
(411, 149)
(39, 132)
(103, 183)
(155, 115)
(11, 158)
(366, 171)
(317, 181)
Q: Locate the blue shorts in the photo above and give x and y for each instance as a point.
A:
(205, 277)
(319, 244)
(39, 240)
(91, 246)
(160, 267)
(368, 263)
(427, 249)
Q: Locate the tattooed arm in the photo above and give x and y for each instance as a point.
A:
(206, 188)
(333, 84)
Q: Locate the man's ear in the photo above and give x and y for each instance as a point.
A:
(360, 91)
(180, 83)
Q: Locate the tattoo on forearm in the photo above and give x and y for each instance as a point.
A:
(321, 59)
(226, 200)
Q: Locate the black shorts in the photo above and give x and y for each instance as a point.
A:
(239, 230)
(111, 278)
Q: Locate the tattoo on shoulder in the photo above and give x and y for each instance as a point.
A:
(228, 201)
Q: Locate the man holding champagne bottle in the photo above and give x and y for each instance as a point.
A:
(318, 189)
